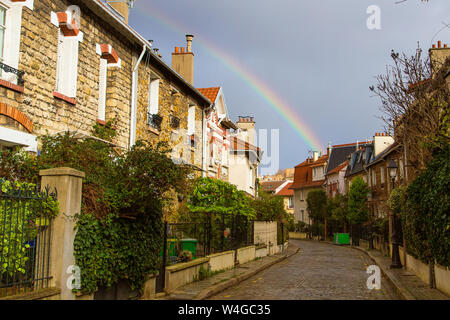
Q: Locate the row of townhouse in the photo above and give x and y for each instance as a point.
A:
(370, 160)
(68, 65)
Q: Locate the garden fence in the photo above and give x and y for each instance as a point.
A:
(24, 239)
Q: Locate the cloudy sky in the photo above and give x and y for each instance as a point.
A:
(317, 58)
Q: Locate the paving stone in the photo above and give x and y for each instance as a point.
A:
(320, 271)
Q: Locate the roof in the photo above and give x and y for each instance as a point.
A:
(270, 186)
(286, 191)
(210, 93)
(338, 168)
(340, 154)
(359, 159)
(108, 16)
(241, 145)
(304, 172)
(384, 153)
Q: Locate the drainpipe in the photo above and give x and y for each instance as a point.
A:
(134, 89)
(204, 137)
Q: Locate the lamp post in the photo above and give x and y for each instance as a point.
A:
(395, 252)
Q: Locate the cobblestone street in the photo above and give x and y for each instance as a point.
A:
(318, 271)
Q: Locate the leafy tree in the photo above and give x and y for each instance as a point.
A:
(317, 205)
(270, 208)
(338, 211)
(426, 217)
(358, 211)
(317, 208)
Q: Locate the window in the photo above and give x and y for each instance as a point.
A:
(301, 195)
(303, 215)
(2, 31)
(191, 120)
(290, 202)
(67, 67)
(374, 177)
(102, 89)
(153, 96)
(382, 175)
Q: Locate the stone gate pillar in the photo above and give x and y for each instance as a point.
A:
(68, 183)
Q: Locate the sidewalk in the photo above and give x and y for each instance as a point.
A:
(204, 289)
(407, 284)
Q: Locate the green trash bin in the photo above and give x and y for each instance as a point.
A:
(171, 248)
(190, 245)
(341, 238)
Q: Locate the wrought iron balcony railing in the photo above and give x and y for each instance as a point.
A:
(154, 120)
(18, 73)
(174, 122)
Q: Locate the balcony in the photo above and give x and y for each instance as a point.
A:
(18, 73)
(154, 121)
(174, 122)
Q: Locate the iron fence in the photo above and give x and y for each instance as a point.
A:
(25, 231)
(209, 234)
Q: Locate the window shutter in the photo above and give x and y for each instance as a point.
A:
(73, 76)
(102, 89)
(154, 96)
(191, 120)
(59, 64)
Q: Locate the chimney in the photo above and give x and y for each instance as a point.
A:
(183, 60)
(122, 8)
(247, 125)
(315, 155)
(438, 54)
(381, 141)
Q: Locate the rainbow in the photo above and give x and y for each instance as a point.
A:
(281, 107)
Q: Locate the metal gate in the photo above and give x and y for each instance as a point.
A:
(25, 231)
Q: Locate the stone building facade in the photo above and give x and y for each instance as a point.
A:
(68, 65)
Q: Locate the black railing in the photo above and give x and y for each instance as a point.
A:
(18, 73)
(25, 231)
(154, 120)
(174, 122)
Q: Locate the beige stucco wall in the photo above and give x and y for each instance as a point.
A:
(239, 173)
(183, 273)
(261, 252)
(300, 205)
(265, 232)
(246, 254)
(221, 261)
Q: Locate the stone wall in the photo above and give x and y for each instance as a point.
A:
(172, 102)
(38, 59)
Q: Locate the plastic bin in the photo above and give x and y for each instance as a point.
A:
(341, 238)
(190, 245)
(171, 248)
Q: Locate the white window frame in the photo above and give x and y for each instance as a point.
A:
(67, 65)
(12, 36)
(191, 120)
(153, 94)
(382, 175)
(102, 85)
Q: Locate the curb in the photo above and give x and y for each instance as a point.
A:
(215, 289)
(402, 292)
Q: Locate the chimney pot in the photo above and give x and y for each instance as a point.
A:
(189, 38)
(445, 45)
(182, 50)
(439, 44)
(434, 46)
(177, 50)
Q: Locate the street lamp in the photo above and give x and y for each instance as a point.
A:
(395, 252)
